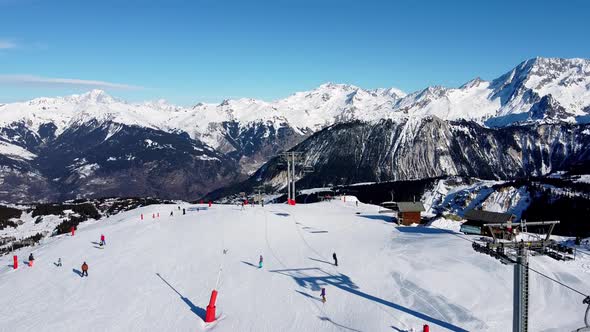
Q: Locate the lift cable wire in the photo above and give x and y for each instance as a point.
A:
(530, 268)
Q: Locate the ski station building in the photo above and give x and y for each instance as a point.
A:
(488, 223)
(409, 212)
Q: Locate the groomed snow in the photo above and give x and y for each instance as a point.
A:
(157, 275)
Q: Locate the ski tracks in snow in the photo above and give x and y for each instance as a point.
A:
(333, 269)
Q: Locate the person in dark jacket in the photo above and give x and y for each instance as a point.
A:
(335, 259)
(323, 295)
(260, 261)
(31, 259)
(84, 269)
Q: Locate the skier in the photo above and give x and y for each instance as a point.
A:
(323, 295)
(102, 241)
(59, 261)
(183, 211)
(335, 259)
(84, 269)
(260, 262)
(357, 203)
(31, 260)
(171, 213)
(179, 208)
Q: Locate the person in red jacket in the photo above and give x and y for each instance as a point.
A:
(84, 269)
(102, 241)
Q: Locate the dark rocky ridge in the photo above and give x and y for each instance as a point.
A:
(387, 151)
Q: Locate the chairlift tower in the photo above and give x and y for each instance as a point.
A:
(519, 257)
(520, 319)
(288, 177)
(293, 159)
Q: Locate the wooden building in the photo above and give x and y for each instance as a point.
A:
(409, 212)
(488, 223)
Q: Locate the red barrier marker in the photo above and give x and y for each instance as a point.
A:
(426, 328)
(15, 262)
(209, 203)
(73, 230)
(142, 216)
(210, 315)
(153, 215)
(201, 201)
(158, 214)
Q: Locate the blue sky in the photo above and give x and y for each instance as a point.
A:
(209, 50)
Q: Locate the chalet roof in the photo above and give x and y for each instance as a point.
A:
(410, 206)
(488, 216)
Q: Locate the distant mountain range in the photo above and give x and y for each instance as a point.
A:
(532, 119)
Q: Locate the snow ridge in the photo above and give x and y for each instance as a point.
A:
(516, 96)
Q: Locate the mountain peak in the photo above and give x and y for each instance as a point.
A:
(473, 83)
(94, 96)
(337, 86)
(391, 92)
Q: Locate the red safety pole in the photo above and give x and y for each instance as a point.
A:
(73, 230)
(209, 203)
(142, 216)
(158, 214)
(153, 215)
(15, 262)
(426, 328)
(210, 315)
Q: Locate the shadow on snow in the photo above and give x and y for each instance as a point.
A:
(327, 319)
(200, 312)
(387, 219)
(343, 282)
(321, 261)
(423, 230)
(248, 263)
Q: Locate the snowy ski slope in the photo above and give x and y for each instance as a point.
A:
(157, 275)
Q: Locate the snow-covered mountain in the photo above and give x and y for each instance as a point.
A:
(536, 89)
(247, 132)
(425, 148)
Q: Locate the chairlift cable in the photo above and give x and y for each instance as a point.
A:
(526, 266)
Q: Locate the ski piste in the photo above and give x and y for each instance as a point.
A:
(387, 276)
